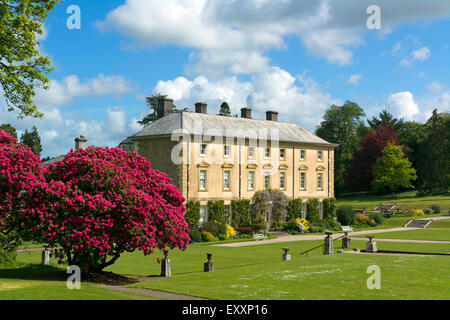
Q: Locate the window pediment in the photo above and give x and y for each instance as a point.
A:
(320, 168)
(303, 168)
(283, 167)
(228, 165)
(252, 166)
(204, 164)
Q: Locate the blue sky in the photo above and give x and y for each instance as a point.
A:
(297, 57)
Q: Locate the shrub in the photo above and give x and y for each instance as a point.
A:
(312, 210)
(230, 232)
(345, 215)
(195, 235)
(240, 213)
(192, 215)
(377, 217)
(428, 211)
(216, 210)
(416, 212)
(290, 227)
(361, 218)
(294, 209)
(329, 209)
(102, 202)
(214, 227)
(207, 236)
(245, 230)
(436, 208)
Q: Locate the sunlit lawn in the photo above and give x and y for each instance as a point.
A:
(416, 234)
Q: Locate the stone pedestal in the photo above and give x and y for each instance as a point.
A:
(371, 247)
(346, 242)
(286, 256)
(165, 268)
(208, 267)
(46, 257)
(328, 247)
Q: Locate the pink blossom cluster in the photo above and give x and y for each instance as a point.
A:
(96, 204)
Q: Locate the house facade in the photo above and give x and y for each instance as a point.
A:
(213, 157)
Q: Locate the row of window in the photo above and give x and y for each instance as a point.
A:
(251, 180)
(251, 153)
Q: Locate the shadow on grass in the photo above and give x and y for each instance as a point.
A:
(50, 273)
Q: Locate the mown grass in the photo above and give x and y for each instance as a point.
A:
(417, 234)
(443, 224)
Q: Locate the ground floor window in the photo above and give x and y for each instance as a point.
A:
(203, 214)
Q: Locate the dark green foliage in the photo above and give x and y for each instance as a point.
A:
(343, 125)
(329, 209)
(192, 215)
(271, 202)
(436, 208)
(433, 165)
(225, 109)
(216, 211)
(214, 227)
(152, 103)
(279, 208)
(32, 140)
(8, 246)
(345, 215)
(294, 209)
(312, 210)
(9, 129)
(195, 235)
(240, 213)
(377, 217)
(385, 119)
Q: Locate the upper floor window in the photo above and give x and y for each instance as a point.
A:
(203, 149)
(203, 177)
(227, 151)
(251, 180)
(282, 154)
(226, 180)
(302, 155)
(320, 156)
(319, 181)
(251, 152)
(267, 153)
(282, 180)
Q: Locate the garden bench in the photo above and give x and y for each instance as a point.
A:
(347, 229)
(259, 236)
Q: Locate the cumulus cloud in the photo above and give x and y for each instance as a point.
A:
(402, 105)
(354, 79)
(435, 87)
(421, 54)
(225, 34)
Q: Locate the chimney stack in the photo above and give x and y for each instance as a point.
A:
(246, 113)
(165, 107)
(201, 107)
(80, 143)
(272, 116)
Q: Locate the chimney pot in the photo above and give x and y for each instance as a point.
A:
(272, 116)
(201, 107)
(246, 113)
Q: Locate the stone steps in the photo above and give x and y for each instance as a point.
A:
(418, 223)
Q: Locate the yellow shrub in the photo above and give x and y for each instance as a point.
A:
(417, 212)
(207, 236)
(230, 232)
(304, 222)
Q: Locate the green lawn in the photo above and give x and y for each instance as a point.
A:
(417, 234)
(341, 276)
(252, 272)
(407, 200)
(442, 224)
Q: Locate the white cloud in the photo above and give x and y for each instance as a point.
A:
(435, 87)
(402, 105)
(354, 79)
(421, 54)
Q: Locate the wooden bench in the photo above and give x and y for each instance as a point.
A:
(347, 229)
(259, 236)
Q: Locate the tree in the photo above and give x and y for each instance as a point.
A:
(392, 170)
(295, 209)
(216, 211)
(240, 215)
(9, 129)
(434, 155)
(268, 206)
(153, 104)
(360, 174)
(32, 140)
(20, 175)
(22, 67)
(342, 125)
(225, 109)
(329, 209)
(192, 215)
(386, 118)
(99, 203)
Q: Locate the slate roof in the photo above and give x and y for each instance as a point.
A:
(237, 127)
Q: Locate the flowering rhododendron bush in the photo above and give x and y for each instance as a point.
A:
(102, 202)
(20, 175)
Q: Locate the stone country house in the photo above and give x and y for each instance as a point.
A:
(214, 157)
